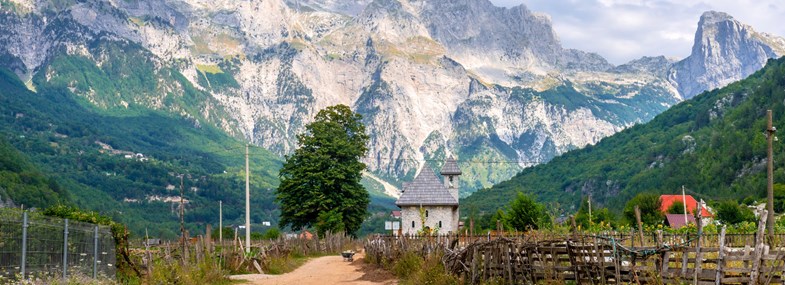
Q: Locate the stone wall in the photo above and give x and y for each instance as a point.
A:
(447, 215)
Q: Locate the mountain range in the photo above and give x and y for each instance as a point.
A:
(492, 86)
(714, 145)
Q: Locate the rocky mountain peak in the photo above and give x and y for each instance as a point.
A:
(712, 17)
(725, 50)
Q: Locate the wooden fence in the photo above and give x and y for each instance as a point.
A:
(231, 253)
(600, 258)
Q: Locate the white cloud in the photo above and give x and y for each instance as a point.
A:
(623, 30)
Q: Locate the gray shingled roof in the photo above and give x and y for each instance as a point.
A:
(451, 167)
(426, 189)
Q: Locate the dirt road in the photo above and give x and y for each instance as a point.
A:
(326, 270)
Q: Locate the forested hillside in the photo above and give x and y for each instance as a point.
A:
(56, 149)
(713, 144)
(23, 184)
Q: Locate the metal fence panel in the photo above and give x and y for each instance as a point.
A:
(47, 247)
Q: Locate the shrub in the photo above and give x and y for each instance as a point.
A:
(431, 271)
(408, 263)
(173, 272)
(272, 233)
(729, 212)
(676, 208)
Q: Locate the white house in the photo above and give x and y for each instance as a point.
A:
(427, 203)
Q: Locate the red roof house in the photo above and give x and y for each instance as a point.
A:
(668, 200)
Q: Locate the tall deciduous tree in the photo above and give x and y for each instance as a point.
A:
(649, 204)
(525, 214)
(320, 182)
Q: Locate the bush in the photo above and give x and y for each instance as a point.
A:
(407, 265)
(431, 271)
(729, 212)
(676, 208)
(272, 233)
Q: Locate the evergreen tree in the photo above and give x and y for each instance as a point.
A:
(320, 182)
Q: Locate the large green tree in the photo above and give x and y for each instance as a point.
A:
(320, 182)
(525, 214)
(650, 204)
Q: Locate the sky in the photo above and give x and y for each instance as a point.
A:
(623, 30)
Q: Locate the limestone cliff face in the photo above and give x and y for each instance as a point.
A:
(492, 86)
(724, 51)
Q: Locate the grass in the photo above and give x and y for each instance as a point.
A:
(205, 272)
(411, 268)
(208, 68)
(286, 264)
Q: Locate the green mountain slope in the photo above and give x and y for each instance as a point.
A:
(83, 150)
(713, 144)
(23, 184)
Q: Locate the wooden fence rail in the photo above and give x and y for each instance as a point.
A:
(599, 259)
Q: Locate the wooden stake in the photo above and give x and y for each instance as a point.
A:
(698, 254)
(758, 248)
(721, 258)
(640, 224)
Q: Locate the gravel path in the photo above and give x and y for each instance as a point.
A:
(326, 270)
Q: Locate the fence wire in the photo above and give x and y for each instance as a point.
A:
(52, 246)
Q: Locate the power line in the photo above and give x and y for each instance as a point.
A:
(465, 161)
(258, 150)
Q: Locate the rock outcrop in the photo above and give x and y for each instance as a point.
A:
(724, 51)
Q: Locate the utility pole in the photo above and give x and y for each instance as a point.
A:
(684, 203)
(590, 220)
(182, 215)
(247, 204)
(770, 131)
(221, 222)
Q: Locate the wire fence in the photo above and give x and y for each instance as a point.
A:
(35, 245)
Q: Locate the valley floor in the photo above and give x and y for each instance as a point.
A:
(326, 270)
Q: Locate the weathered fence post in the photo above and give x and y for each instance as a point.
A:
(65, 249)
(640, 224)
(95, 253)
(208, 239)
(148, 258)
(664, 256)
(698, 255)
(758, 248)
(24, 243)
(721, 258)
(573, 227)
